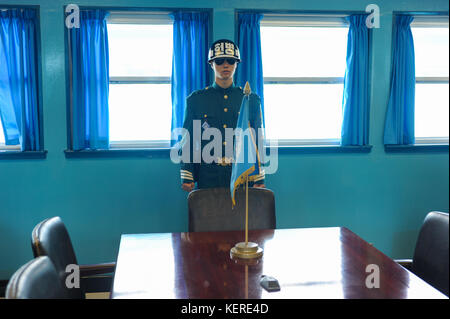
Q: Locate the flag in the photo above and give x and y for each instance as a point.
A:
(246, 160)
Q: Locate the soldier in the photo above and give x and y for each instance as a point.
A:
(217, 106)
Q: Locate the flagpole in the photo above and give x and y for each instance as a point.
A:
(245, 250)
(246, 211)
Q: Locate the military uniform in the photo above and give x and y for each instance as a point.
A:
(219, 108)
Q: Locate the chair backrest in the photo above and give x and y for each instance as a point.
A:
(211, 209)
(50, 238)
(37, 279)
(430, 261)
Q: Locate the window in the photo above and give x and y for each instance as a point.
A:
(431, 51)
(2, 136)
(140, 67)
(19, 103)
(304, 61)
(2, 141)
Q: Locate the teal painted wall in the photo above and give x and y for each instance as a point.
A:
(383, 197)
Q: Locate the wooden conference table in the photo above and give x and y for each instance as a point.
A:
(308, 263)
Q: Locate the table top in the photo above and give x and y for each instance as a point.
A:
(308, 263)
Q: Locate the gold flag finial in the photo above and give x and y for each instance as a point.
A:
(247, 89)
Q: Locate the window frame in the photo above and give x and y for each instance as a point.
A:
(4, 147)
(431, 21)
(305, 20)
(146, 18)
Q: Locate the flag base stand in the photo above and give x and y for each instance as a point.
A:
(247, 250)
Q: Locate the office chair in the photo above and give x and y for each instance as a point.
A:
(430, 261)
(211, 209)
(50, 238)
(37, 279)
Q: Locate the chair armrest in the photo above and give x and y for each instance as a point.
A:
(407, 263)
(97, 269)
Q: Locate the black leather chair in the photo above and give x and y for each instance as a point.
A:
(430, 260)
(50, 238)
(37, 279)
(211, 209)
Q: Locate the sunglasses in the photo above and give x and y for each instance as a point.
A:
(220, 61)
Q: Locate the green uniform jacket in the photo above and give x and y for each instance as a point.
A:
(215, 107)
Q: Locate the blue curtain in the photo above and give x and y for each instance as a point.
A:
(19, 111)
(250, 69)
(399, 126)
(90, 81)
(355, 102)
(190, 68)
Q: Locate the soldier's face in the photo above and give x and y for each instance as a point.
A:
(224, 71)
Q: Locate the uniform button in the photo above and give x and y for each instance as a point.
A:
(224, 126)
(225, 109)
(225, 96)
(206, 115)
(224, 143)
